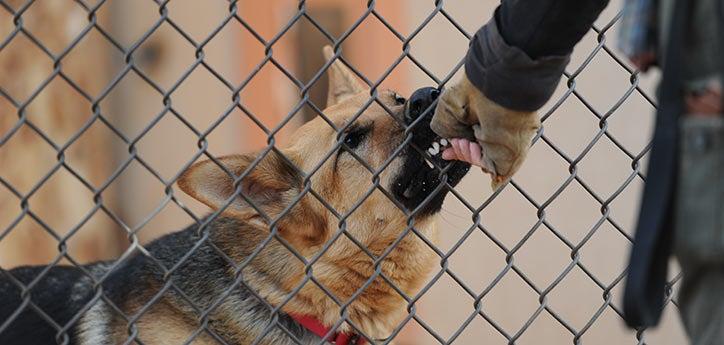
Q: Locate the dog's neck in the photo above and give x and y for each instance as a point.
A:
(376, 307)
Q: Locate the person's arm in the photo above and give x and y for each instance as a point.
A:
(512, 68)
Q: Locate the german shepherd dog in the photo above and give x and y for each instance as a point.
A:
(228, 281)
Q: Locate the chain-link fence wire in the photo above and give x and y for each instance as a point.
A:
(130, 65)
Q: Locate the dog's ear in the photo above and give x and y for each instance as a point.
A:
(266, 184)
(272, 185)
(343, 83)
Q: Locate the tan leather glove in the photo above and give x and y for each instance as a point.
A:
(504, 135)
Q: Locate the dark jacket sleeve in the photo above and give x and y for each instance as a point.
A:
(517, 58)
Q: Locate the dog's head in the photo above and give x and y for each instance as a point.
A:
(375, 166)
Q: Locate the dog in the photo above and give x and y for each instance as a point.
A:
(363, 229)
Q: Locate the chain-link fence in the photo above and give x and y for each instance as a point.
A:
(414, 324)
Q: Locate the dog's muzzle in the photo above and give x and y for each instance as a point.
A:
(425, 177)
(419, 111)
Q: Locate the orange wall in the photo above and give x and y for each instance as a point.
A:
(370, 49)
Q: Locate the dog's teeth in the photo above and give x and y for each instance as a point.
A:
(443, 142)
(436, 146)
(431, 151)
(429, 164)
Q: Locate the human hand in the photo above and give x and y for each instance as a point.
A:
(466, 151)
(501, 136)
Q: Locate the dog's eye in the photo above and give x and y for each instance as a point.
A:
(352, 140)
(399, 100)
(355, 136)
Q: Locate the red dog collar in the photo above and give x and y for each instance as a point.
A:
(337, 338)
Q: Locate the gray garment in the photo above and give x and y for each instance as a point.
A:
(702, 308)
(518, 57)
(699, 234)
(702, 54)
(507, 75)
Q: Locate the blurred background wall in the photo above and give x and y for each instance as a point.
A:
(90, 154)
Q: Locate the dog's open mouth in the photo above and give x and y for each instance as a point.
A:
(426, 178)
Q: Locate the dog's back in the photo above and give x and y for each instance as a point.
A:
(60, 294)
(64, 293)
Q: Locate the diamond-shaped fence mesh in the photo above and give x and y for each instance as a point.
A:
(106, 103)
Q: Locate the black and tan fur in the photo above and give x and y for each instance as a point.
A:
(165, 314)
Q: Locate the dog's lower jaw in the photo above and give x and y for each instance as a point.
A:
(422, 189)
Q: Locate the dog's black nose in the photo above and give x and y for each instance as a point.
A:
(421, 103)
